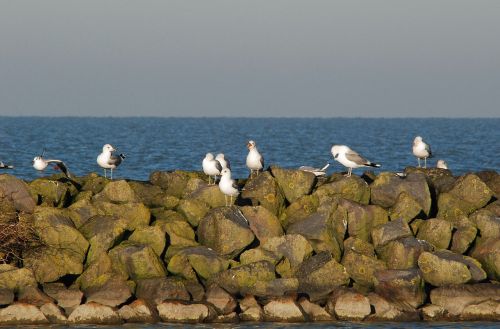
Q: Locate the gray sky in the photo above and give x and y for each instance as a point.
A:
(250, 58)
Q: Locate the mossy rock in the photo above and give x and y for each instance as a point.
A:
(210, 195)
(294, 183)
(487, 252)
(299, 210)
(437, 232)
(463, 238)
(263, 223)
(351, 188)
(173, 183)
(156, 290)
(451, 207)
(194, 210)
(385, 233)
(257, 255)
(275, 288)
(136, 215)
(136, 261)
(203, 261)
(361, 218)
(118, 191)
(16, 191)
(402, 254)
(98, 273)
(406, 208)
(359, 246)
(226, 231)
(179, 231)
(487, 223)
(401, 287)
(263, 190)
(362, 268)
(153, 196)
(50, 264)
(94, 183)
(473, 190)
(50, 192)
(151, 236)
(295, 247)
(242, 279)
(14, 278)
(8, 212)
(81, 211)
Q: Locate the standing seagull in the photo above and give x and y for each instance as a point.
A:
(441, 164)
(227, 186)
(350, 158)
(255, 161)
(421, 150)
(211, 167)
(223, 161)
(39, 163)
(4, 166)
(109, 161)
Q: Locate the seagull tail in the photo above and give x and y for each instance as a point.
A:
(122, 156)
(371, 164)
(324, 168)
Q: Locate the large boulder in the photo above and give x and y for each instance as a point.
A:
(22, 314)
(13, 278)
(179, 232)
(173, 183)
(226, 231)
(81, 211)
(156, 290)
(294, 183)
(93, 183)
(193, 210)
(113, 292)
(50, 193)
(34, 296)
(151, 236)
(406, 208)
(139, 311)
(175, 311)
(362, 268)
(492, 179)
(387, 187)
(8, 212)
(404, 287)
(302, 208)
(437, 232)
(94, 313)
(263, 190)
(242, 279)
(284, 309)
(320, 275)
(223, 302)
(402, 254)
(361, 218)
(349, 306)
(487, 223)
(16, 191)
(6, 296)
(134, 214)
(263, 223)
(118, 191)
(136, 261)
(487, 252)
(314, 311)
(67, 298)
(385, 233)
(351, 188)
(193, 262)
(209, 194)
(153, 196)
(292, 247)
(463, 237)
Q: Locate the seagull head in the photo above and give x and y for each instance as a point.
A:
(219, 156)
(108, 148)
(250, 145)
(209, 156)
(226, 172)
(417, 139)
(336, 149)
(35, 159)
(442, 164)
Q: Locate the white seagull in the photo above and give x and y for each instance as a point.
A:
(441, 164)
(5, 166)
(108, 160)
(211, 167)
(421, 150)
(39, 163)
(255, 161)
(350, 158)
(223, 161)
(315, 171)
(227, 186)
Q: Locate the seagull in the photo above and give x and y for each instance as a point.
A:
(255, 161)
(109, 161)
(39, 163)
(4, 166)
(211, 167)
(227, 186)
(350, 159)
(421, 150)
(315, 171)
(223, 161)
(441, 164)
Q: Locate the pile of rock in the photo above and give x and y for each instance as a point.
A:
(296, 248)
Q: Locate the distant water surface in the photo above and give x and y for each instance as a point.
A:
(181, 143)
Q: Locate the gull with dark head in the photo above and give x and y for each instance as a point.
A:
(223, 161)
(421, 150)
(350, 159)
(39, 163)
(211, 167)
(316, 171)
(255, 161)
(228, 186)
(108, 160)
(5, 166)
(441, 164)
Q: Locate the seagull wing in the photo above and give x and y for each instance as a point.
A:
(234, 185)
(262, 161)
(218, 165)
(428, 149)
(355, 157)
(115, 160)
(61, 165)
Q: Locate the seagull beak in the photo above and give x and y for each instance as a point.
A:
(249, 145)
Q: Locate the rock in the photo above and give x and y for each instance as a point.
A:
(118, 191)
(175, 311)
(102, 232)
(349, 306)
(403, 287)
(14, 278)
(136, 261)
(262, 222)
(442, 268)
(362, 268)
(292, 246)
(437, 232)
(210, 195)
(94, 183)
(405, 208)
(193, 210)
(351, 188)
(53, 313)
(21, 313)
(319, 231)
(275, 288)
(223, 302)
(180, 233)
(385, 233)
(492, 179)
(135, 215)
(320, 275)
(201, 261)
(463, 238)
(258, 254)
(487, 223)
(97, 273)
(358, 246)
(51, 193)
(485, 311)
(138, 311)
(6, 296)
(94, 313)
(81, 211)
(151, 236)
(433, 312)
(229, 318)
(313, 311)
(32, 295)
(113, 292)
(387, 187)
(487, 252)
(294, 183)
(402, 254)
(283, 309)
(384, 310)
(67, 298)
(242, 279)
(299, 210)
(361, 219)
(173, 183)
(152, 196)
(218, 229)
(8, 213)
(263, 190)
(250, 309)
(454, 299)
(16, 191)
(157, 290)
(472, 190)
(494, 207)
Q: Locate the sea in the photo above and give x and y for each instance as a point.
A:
(152, 144)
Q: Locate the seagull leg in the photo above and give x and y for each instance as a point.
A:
(111, 175)
(425, 162)
(104, 172)
(349, 173)
(418, 162)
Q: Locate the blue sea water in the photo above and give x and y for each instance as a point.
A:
(181, 143)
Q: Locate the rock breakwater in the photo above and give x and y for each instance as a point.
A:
(293, 248)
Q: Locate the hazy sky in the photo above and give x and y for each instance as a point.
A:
(250, 58)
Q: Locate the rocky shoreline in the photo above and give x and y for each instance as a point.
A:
(420, 246)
